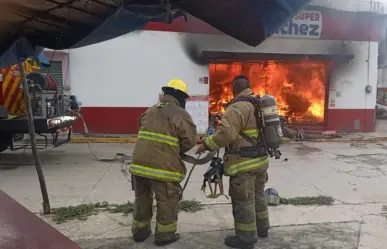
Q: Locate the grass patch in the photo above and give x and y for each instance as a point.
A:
(83, 211)
(308, 200)
(191, 206)
(125, 209)
(79, 212)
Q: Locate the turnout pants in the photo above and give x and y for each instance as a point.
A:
(247, 192)
(168, 196)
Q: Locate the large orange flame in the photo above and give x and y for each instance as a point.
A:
(299, 87)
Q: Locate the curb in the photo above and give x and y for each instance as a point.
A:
(371, 139)
(134, 140)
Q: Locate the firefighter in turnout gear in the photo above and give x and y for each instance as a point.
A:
(247, 175)
(166, 131)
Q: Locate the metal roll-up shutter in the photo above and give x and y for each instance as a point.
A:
(55, 70)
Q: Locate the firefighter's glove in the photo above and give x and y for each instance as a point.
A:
(202, 148)
(200, 140)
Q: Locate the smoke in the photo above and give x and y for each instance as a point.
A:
(190, 45)
(344, 48)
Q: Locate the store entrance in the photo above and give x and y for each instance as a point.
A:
(298, 86)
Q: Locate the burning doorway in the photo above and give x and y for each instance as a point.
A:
(298, 86)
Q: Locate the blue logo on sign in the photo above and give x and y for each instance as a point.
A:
(291, 28)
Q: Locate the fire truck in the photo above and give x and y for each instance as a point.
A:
(53, 113)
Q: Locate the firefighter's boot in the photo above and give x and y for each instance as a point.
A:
(263, 224)
(235, 242)
(141, 235)
(175, 237)
(262, 234)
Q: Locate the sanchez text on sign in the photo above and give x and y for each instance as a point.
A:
(305, 24)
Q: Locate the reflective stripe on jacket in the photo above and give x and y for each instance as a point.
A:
(244, 166)
(166, 131)
(238, 117)
(159, 138)
(153, 173)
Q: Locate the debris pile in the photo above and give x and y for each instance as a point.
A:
(298, 134)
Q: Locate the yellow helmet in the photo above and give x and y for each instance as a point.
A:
(179, 85)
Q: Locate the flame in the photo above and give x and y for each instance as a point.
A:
(299, 87)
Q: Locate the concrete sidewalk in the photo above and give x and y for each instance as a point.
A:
(337, 226)
(297, 237)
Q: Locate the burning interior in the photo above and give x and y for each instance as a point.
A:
(298, 86)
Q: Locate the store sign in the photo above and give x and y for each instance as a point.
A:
(306, 24)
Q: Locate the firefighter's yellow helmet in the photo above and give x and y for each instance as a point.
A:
(178, 84)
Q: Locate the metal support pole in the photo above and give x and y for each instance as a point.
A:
(31, 128)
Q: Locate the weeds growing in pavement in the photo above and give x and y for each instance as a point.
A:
(125, 209)
(79, 212)
(191, 206)
(83, 211)
(308, 200)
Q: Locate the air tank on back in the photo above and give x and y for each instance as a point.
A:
(272, 130)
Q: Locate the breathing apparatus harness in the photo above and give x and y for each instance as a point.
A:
(262, 145)
(269, 137)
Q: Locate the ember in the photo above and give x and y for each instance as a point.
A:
(299, 87)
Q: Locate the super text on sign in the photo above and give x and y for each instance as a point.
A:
(305, 24)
